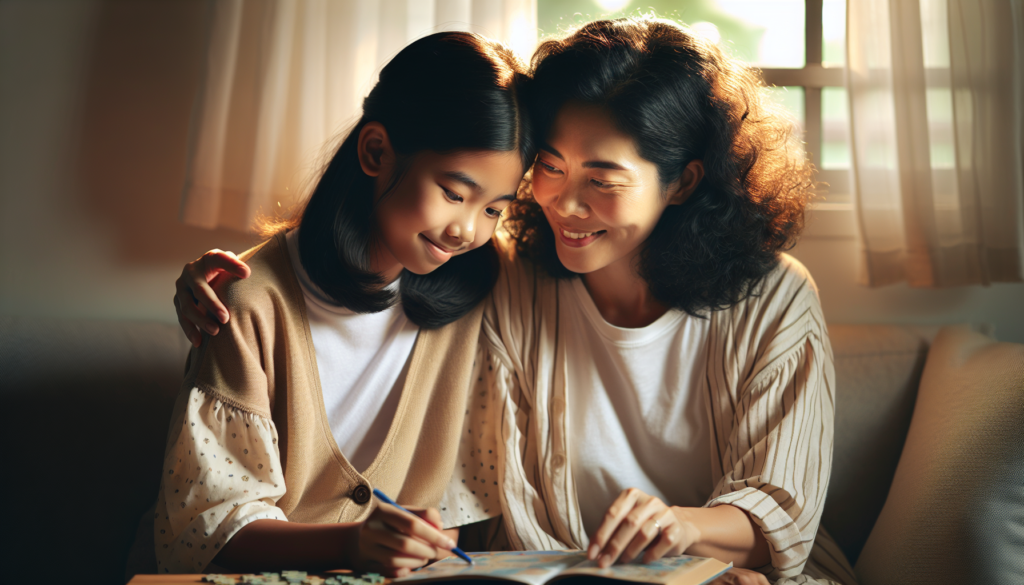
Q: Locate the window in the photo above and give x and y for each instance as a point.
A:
(799, 45)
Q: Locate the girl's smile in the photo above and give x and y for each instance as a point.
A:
(440, 252)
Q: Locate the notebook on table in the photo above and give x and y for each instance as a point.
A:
(563, 567)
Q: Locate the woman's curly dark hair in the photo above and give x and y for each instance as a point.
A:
(680, 98)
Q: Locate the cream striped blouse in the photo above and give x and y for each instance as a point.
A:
(770, 388)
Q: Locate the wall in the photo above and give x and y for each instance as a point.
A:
(95, 105)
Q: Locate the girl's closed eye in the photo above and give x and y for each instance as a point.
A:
(451, 196)
(493, 213)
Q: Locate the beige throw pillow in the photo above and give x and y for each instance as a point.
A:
(955, 511)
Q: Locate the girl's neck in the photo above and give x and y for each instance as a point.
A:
(383, 262)
(622, 296)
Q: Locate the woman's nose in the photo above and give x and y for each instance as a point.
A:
(568, 202)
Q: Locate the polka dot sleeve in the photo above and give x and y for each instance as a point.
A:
(472, 494)
(222, 472)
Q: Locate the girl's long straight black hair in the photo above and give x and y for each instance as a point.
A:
(445, 92)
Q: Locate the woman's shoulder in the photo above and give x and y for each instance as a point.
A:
(517, 269)
(791, 276)
(786, 294)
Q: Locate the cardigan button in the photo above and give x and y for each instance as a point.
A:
(361, 494)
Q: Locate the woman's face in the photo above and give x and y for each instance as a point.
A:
(600, 196)
(444, 205)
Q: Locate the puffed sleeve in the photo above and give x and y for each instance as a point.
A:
(221, 471)
(771, 386)
(472, 495)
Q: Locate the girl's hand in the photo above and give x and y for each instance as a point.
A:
(741, 577)
(636, 521)
(195, 299)
(394, 543)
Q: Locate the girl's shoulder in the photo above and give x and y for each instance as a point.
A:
(271, 280)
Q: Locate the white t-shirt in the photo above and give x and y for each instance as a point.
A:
(362, 360)
(636, 416)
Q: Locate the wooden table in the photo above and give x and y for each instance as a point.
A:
(198, 578)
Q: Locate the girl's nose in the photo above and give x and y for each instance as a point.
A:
(462, 232)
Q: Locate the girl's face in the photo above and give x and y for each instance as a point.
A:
(444, 205)
(600, 196)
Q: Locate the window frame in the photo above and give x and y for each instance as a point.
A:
(833, 216)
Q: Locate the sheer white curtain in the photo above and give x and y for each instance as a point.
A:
(937, 116)
(285, 78)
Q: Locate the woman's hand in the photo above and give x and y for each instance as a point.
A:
(393, 542)
(636, 521)
(741, 577)
(195, 299)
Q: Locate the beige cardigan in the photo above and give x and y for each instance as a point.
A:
(262, 366)
(770, 386)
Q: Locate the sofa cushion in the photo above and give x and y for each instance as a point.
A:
(878, 368)
(955, 511)
(86, 408)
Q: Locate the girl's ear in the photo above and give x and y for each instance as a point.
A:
(681, 190)
(374, 149)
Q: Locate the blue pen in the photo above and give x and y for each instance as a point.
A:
(380, 496)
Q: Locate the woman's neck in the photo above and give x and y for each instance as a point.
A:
(622, 297)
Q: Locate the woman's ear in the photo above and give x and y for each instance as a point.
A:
(687, 183)
(374, 149)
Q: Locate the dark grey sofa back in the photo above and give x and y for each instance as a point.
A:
(86, 407)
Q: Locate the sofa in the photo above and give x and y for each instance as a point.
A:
(927, 487)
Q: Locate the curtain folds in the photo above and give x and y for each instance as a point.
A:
(285, 78)
(937, 126)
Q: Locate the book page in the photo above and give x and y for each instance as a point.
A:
(531, 567)
(662, 571)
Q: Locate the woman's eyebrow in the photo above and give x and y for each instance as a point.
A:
(590, 164)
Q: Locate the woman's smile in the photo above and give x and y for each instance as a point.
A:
(578, 238)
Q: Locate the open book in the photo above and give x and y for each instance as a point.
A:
(541, 567)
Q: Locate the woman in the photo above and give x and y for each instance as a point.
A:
(659, 375)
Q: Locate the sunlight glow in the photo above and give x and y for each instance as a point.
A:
(612, 5)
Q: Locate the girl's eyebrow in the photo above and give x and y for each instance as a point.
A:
(469, 182)
(590, 164)
(464, 179)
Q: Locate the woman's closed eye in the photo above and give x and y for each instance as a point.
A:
(451, 196)
(548, 167)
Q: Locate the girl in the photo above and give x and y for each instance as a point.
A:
(659, 375)
(346, 363)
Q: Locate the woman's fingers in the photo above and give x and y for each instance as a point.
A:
(185, 305)
(741, 577)
(622, 506)
(636, 526)
(195, 299)
(673, 541)
(650, 531)
(192, 332)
